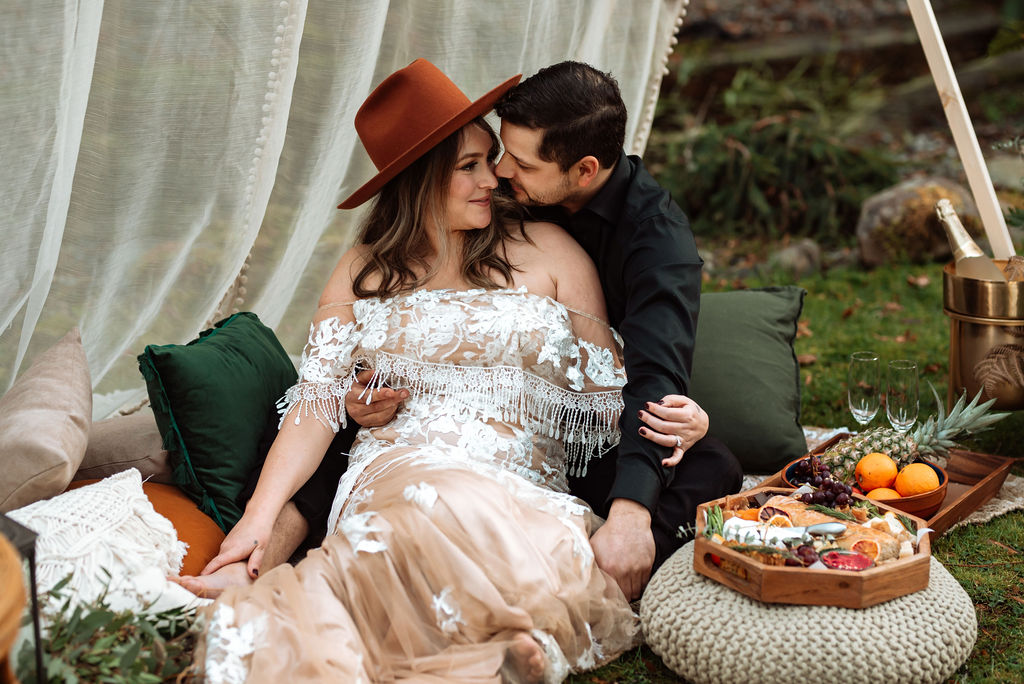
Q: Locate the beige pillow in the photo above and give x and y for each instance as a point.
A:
(122, 442)
(44, 424)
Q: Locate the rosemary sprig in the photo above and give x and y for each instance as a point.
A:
(907, 523)
(842, 515)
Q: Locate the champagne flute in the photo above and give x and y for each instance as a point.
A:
(864, 380)
(901, 402)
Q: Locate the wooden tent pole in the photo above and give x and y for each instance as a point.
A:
(963, 132)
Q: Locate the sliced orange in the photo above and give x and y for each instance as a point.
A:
(883, 494)
(779, 521)
(869, 547)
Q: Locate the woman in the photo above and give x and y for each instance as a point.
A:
(456, 552)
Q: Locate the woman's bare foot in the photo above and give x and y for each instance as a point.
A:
(526, 658)
(212, 585)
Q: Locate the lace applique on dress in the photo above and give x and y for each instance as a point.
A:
(505, 358)
(447, 612)
(229, 647)
(325, 375)
(357, 528)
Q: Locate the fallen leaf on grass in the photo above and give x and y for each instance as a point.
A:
(932, 368)
(907, 336)
(903, 338)
(807, 381)
(806, 359)
(803, 329)
(892, 307)
(852, 309)
(1003, 546)
(919, 281)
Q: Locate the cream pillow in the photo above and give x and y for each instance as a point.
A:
(124, 442)
(44, 424)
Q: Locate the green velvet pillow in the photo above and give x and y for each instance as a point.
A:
(746, 376)
(212, 399)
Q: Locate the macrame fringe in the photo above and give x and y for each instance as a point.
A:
(121, 536)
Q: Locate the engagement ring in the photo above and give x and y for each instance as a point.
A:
(679, 441)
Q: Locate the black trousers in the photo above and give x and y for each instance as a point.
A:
(708, 471)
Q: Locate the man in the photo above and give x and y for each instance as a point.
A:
(654, 251)
(563, 130)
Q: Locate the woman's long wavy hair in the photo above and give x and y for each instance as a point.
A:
(395, 229)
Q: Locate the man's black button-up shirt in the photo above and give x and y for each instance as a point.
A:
(650, 271)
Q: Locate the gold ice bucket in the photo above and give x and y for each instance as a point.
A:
(986, 337)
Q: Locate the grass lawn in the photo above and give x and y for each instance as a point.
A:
(897, 311)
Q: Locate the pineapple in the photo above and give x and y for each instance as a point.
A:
(933, 437)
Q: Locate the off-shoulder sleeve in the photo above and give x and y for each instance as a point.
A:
(326, 374)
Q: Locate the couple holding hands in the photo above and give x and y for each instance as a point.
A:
(490, 421)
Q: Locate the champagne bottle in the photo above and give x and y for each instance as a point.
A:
(971, 262)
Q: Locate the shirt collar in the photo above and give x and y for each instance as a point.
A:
(607, 203)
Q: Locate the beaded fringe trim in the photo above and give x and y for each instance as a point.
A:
(586, 423)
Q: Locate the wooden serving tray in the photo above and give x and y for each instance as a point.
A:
(974, 478)
(821, 587)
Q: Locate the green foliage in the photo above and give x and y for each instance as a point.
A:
(91, 642)
(776, 157)
(1009, 38)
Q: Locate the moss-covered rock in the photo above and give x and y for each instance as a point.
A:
(900, 223)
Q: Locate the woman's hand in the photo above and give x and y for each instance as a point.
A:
(675, 421)
(383, 405)
(247, 541)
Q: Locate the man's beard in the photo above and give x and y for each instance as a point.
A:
(561, 194)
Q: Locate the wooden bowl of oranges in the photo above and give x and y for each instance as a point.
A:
(918, 488)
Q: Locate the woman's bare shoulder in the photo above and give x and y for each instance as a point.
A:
(549, 239)
(339, 287)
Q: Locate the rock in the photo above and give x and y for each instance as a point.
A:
(799, 259)
(1006, 171)
(900, 223)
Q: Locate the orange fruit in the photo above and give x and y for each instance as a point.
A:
(779, 521)
(916, 478)
(882, 494)
(875, 470)
(747, 514)
(869, 547)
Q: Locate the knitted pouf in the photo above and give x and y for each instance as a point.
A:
(707, 632)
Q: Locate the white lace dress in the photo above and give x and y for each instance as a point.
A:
(453, 532)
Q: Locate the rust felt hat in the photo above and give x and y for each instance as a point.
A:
(412, 110)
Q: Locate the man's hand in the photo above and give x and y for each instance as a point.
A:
(624, 546)
(247, 540)
(675, 421)
(383, 403)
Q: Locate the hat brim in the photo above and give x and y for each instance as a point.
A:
(477, 108)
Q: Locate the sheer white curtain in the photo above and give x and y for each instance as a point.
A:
(164, 163)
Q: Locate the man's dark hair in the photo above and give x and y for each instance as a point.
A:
(579, 109)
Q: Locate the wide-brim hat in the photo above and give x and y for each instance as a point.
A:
(412, 110)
